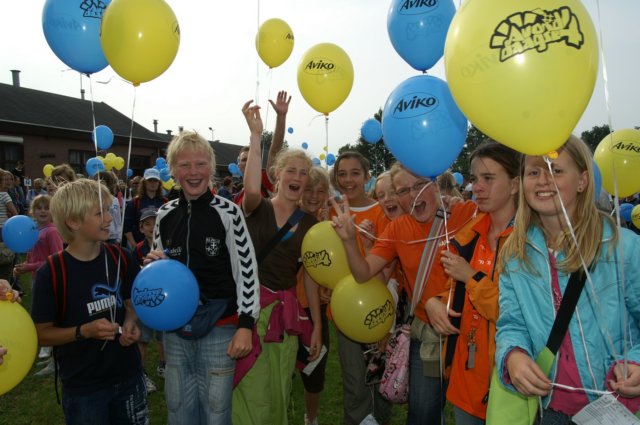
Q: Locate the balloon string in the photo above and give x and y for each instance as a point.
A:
(603, 329)
(615, 178)
(257, 94)
(266, 114)
(326, 139)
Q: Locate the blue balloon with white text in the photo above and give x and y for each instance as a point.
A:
(371, 131)
(418, 28)
(72, 30)
(165, 295)
(422, 125)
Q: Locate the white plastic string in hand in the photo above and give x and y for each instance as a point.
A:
(599, 312)
(583, 390)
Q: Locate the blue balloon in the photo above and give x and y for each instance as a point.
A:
(422, 125)
(315, 162)
(597, 180)
(102, 137)
(161, 163)
(305, 145)
(368, 186)
(165, 295)
(72, 29)
(418, 29)
(330, 159)
(94, 165)
(129, 172)
(459, 178)
(20, 233)
(165, 174)
(625, 211)
(371, 131)
(290, 130)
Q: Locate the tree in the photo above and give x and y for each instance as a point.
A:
(474, 138)
(594, 136)
(378, 154)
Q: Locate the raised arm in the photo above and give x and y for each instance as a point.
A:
(253, 172)
(281, 106)
(362, 268)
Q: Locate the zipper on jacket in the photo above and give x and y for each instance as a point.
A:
(188, 231)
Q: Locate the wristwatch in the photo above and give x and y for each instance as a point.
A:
(478, 276)
(79, 336)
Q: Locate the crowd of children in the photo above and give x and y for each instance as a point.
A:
(482, 280)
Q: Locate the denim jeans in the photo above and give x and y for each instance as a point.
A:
(426, 394)
(199, 378)
(463, 418)
(123, 403)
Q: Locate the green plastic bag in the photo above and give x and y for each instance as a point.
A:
(512, 408)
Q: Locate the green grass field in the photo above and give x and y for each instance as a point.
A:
(33, 401)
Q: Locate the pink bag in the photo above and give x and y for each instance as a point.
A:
(394, 385)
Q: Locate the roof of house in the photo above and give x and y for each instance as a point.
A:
(22, 105)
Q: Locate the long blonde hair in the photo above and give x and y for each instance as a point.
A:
(587, 221)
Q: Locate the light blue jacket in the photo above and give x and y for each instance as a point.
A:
(527, 311)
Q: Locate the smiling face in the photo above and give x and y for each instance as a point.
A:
(541, 193)
(351, 178)
(292, 178)
(387, 197)
(314, 198)
(491, 185)
(41, 214)
(95, 225)
(416, 195)
(192, 171)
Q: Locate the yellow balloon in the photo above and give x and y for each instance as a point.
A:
(620, 150)
(322, 157)
(47, 169)
(139, 38)
(323, 255)
(110, 156)
(325, 77)
(118, 163)
(18, 336)
(168, 184)
(274, 42)
(362, 311)
(635, 216)
(521, 73)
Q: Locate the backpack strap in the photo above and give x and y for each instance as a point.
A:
(59, 284)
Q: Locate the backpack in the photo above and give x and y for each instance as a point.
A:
(59, 287)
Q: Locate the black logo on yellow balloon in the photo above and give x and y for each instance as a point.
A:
(315, 259)
(626, 147)
(379, 315)
(289, 36)
(416, 7)
(148, 297)
(93, 9)
(414, 104)
(536, 29)
(319, 66)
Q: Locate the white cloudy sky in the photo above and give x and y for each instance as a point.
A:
(215, 70)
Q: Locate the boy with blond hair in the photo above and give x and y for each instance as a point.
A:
(85, 312)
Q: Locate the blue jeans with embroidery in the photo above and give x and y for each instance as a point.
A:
(199, 378)
(426, 394)
(119, 404)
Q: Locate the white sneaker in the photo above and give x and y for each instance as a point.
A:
(151, 387)
(45, 353)
(47, 370)
(308, 422)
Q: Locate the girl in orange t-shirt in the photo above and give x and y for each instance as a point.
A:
(350, 174)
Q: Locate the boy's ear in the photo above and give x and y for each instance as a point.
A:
(73, 224)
